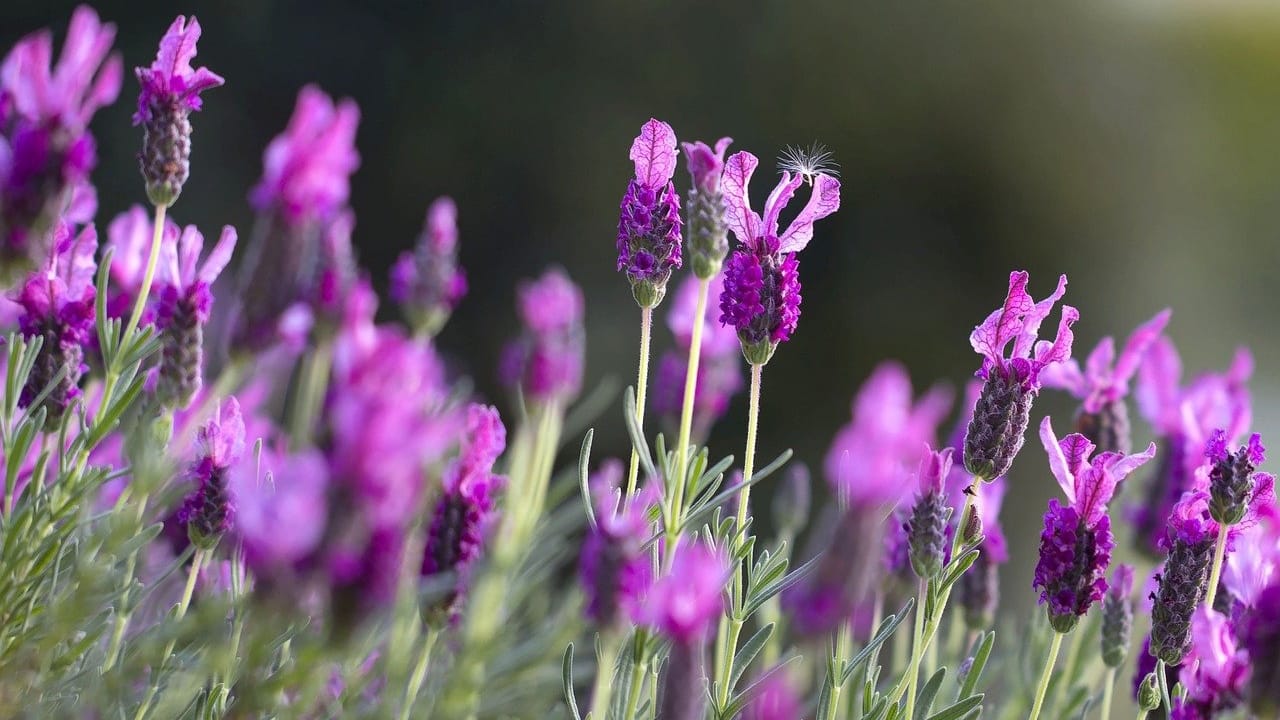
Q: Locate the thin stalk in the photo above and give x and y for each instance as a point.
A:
(686, 410)
(602, 689)
(154, 686)
(642, 386)
(636, 689)
(148, 275)
(1073, 655)
(1142, 714)
(313, 382)
(749, 459)
(835, 667)
(1054, 647)
(913, 667)
(419, 673)
(1215, 572)
(723, 691)
(1108, 689)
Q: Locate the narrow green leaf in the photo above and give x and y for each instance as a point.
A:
(759, 597)
(985, 643)
(887, 627)
(566, 678)
(750, 649)
(636, 433)
(584, 463)
(924, 699)
(959, 710)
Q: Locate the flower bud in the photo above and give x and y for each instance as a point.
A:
(999, 423)
(1149, 693)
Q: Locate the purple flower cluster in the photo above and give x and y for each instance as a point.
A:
(209, 510)
(707, 234)
(1189, 540)
(545, 363)
(649, 223)
(614, 568)
(761, 297)
(428, 283)
(1076, 544)
(1234, 488)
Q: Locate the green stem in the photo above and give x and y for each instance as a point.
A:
(602, 688)
(154, 686)
(749, 459)
(642, 386)
(635, 689)
(686, 410)
(1142, 714)
(1108, 689)
(1054, 647)
(313, 381)
(1215, 572)
(835, 667)
(917, 637)
(419, 674)
(148, 275)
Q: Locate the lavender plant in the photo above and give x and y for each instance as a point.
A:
(310, 514)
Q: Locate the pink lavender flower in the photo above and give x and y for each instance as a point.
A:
(208, 511)
(1075, 546)
(184, 301)
(1189, 540)
(1219, 669)
(46, 150)
(1002, 412)
(649, 225)
(1117, 616)
(761, 297)
(467, 504)
(1253, 565)
(57, 305)
(926, 526)
(846, 567)
(774, 699)
(337, 279)
(1104, 383)
(170, 92)
(1234, 487)
(613, 568)
(546, 362)
(1260, 636)
(281, 511)
(708, 236)
(428, 283)
(872, 456)
(719, 369)
(1184, 417)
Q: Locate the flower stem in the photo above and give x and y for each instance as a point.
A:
(419, 673)
(1054, 647)
(913, 667)
(602, 689)
(686, 410)
(148, 276)
(749, 459)
(154, 686)
(1215, 572)
(313, 382)
(835, 667)
(636, 688)
(642, 386)
(1108, 689)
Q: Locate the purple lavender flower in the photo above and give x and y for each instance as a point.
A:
(774, 699)
(719, 369)
(546, 362)
(57, 305)
(209, 510)
(1075, 546)
(281, 511)
(1260, 636)
(428, 283)
(46, 150)
(708, 236)
(466, 508)
(1234, 487)
(613, 568)
(1253, 565)
(1184, 417)
(761, 297)
(185, 300)
(1189, 540)
(1002, 412)
(844, 572)
(1117, 616)
(927, 525)
(649, 224)
(1104, 383)
(872, 456)
(170, 92)
(1219, 670)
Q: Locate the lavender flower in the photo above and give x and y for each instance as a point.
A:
(719, 369)
(1104, 383)
(614, 569)
(761, 297)
(1117, 616)
(428, 283)
(1234, 487)
(208, 511)
(546, 362)
(1219, 670)
(1260, 636)
(185, 300)
(1253, 565)
(281, 510)
(1002, 412)
(46, 150)
(466, 508)
(1075, 546)
(979, 589)
(844, 572)
(57, 305)
(649, 224)
(926, 528)
(708, 240)
(1184, 417)
(170, 92)
(774, 699)
(1189, 540)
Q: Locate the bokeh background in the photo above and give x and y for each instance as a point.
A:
(1133, 145)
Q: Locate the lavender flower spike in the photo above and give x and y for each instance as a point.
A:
(1075, 546)
(546, 362)
(649, 223)
(614, 569)
(708, 240)
(1104, 383)
(761, 297)
(208, 511)
(1189, 540)
(427, 283)
(170, 92)
(927, 526)
(1001, 414)
(1234, 487)
(185, 301)
(1117, 616)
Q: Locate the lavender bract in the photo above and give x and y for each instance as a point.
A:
(1218, 669)
(649, 224)
(1234, 487)
(170, 92)
(761, 297)
(428, 283)
(926, 528)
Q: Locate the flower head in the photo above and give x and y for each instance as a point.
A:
(927, 526)
(649, 225)
(1105, 377)
(1235, 490)
(1189, 540)
(1018, 322)
(1218, 668)
(761, 297)
(208, 511)
(613, 568)
(684, 603)
(1117, 616)
(281, 510)
(427, 282)
(546, 362)
(171, 80)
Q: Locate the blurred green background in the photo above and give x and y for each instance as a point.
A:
(1134, 146)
